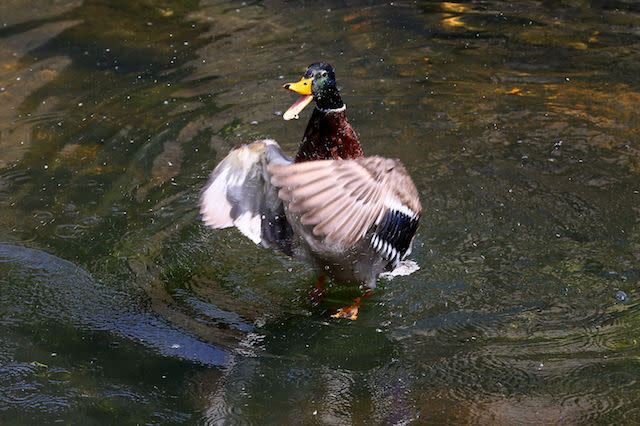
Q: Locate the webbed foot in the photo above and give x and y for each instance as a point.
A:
(351, 312)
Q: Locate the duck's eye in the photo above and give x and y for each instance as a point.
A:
(323, 74)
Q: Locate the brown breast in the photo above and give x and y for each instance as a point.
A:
(328, 136)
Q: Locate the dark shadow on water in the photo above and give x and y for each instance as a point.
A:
(41, 288)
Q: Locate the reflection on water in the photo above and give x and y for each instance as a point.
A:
(516, 121)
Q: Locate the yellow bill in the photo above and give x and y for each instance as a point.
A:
(302, 87)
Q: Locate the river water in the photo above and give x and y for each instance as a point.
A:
(518, 122)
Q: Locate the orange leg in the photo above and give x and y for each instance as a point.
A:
(351, 312)
(318, 291)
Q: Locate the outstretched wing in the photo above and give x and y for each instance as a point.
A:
(240, 194)
(343, 199)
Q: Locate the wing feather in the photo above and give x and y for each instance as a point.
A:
(318, 214)
(310, 189)
(313, 201)
(343, 199)
(240, 194)
(332, 225)
(293, 179)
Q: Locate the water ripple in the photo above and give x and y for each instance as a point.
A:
(61, 291)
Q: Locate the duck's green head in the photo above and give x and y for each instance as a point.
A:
(319, 83)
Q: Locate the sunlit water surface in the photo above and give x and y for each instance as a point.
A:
(517, 120)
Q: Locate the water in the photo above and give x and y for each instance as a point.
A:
(517, 121)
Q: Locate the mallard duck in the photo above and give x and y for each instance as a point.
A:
(350, 216)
